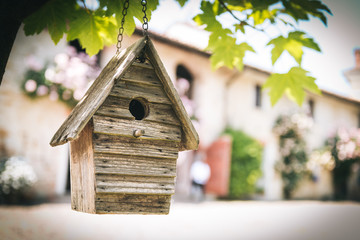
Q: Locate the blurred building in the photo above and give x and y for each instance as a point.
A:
(220, 98)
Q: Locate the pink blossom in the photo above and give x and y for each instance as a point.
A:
(182, 86)
(53, 95)
(66, 95)
(30, 85)
(42, 90)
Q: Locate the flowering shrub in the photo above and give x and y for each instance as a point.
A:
(318, 160)
(66, 79)
(291, 130)
(16, 178)
(246, 155)
(345, 149)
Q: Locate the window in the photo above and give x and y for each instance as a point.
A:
(183, 74)
(311, 104)
(258, 96)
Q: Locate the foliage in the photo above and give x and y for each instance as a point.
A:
(246, 158)
(290, 130)
(66, 79)
(229, 51)
(16, 178)
(345, 149)
(293, 83)
(97, 26)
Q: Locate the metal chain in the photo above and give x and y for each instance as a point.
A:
(121, 29)
(145, 24)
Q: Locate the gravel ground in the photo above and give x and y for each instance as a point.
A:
(218, 220)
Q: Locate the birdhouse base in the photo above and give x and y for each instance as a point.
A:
(97, 186)
(132, 204)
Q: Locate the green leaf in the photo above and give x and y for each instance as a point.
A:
(260, 16)
(302, 9)
(182, 2)
(293, 44)
(92, 31)
(294, 83)
(240, 27)
(227, 53)
(208, 17)
(53, 16)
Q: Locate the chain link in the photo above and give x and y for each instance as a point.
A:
(145, 24)
(121, 29)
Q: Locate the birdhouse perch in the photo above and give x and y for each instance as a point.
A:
(125, 135)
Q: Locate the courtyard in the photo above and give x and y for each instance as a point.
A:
(206, 220)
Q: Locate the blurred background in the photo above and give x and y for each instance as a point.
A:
(249, 150)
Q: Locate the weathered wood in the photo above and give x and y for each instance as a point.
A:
(83, 172)
(124, 127)
(143, 75)
(132, 146)
(134, 165)
(109, 183)
(132, 203)
(146, 64)
(191, 138)
(119, 107)
(96, 94)
(133, 90)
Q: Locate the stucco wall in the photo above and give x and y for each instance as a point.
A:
(27, 125)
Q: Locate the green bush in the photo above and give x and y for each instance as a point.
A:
(245, 164)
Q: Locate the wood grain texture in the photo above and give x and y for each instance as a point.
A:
(132, 203)
(137, 73)
(125, 127)
(96, 94)
(119, 107)
(131, 90)
(134, 165)
(82, 172)
(113, 183)
(191, 138)
(132, 146)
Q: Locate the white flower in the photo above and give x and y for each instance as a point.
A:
(50, 74)
(16, 175)
(30, 85)
(61, 60)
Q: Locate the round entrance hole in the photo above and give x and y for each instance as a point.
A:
(139, 108)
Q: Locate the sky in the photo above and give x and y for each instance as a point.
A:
(337, 41)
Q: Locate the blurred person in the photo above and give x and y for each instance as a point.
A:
(200, 174)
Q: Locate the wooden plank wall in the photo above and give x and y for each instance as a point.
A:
(82, 171)
(135, 175)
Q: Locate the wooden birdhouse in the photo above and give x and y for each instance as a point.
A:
(125, 136)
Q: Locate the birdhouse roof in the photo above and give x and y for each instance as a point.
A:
(103, 85)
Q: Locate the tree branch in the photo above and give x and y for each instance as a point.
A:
(242, 22)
